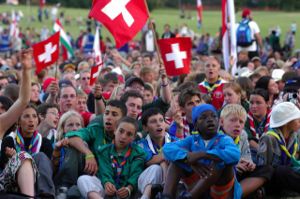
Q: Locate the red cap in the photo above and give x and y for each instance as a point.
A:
(47, 82)
(246, 12)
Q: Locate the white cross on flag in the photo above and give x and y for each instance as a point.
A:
(95, 70)
(46, 52)
(176, 54)
(123, 18)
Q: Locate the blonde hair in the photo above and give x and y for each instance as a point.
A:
(81, 94)
(62, 122)
(233, 109)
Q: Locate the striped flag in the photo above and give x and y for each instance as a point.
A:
(199, 13)
(229, 35)
(98, 58)
(68, 52)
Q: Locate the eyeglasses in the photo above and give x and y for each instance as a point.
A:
(85, 78)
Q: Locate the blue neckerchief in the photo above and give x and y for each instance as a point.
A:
(62, 157)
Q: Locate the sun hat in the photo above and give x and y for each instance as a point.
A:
(277, 74)
(283, 113)
(198, 110)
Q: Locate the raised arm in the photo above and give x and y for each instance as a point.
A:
(166, 94)
(8, 118)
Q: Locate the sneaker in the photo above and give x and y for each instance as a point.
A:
(185, 195)
(162, 196)
(155, 189)
(62, 193)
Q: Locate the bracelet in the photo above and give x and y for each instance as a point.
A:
(129, 191)
(89, 156)
(164, 85)
(98, 98)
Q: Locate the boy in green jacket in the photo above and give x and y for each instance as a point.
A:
(121, 164)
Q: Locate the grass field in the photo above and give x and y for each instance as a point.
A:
(212, 19)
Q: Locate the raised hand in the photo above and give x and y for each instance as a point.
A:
(26, 59)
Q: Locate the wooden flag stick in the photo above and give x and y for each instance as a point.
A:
(56, 66)
(155, 38)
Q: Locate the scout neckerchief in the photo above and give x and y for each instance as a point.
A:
(153, 147)
(236, 139)
(209, 88)
(252, 125)
(34, 143)
(117, 166)
(286, 154)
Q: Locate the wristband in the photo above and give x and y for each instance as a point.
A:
(164, 85)
(98, 98)
(129, 191)
(89, 156)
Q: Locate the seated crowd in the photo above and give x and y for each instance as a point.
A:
(139, 133)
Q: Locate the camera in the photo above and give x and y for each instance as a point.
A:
(292, 97)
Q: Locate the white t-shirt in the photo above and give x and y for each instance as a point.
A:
(254, 30)
(149, 40)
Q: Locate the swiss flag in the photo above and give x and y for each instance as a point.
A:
(46, 52)
(124, 19)
(176, 54)
(95, 70)
(98, 58)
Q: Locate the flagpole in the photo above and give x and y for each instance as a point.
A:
(154, 36)
(56, 66)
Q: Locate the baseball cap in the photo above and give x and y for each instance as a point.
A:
(47, 82)
(292, 84)
(130, 80)
(246, 12)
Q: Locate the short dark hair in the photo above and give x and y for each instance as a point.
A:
(131, 93)
(261, 92)
(129, 120)
(65, 86)
(186, 85)
(6, 102)
(148, 113)
(43, 108)
(118, 104)
(147, 55)
(12, 91)
(263, 82)
(186, 94)
(149, 87)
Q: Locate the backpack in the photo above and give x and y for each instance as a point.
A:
(243, 34)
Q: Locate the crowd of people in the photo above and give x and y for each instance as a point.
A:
(139, 133)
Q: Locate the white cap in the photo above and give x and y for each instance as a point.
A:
(283, 113)
(277, 74)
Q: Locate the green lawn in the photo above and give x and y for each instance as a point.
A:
(212, 19)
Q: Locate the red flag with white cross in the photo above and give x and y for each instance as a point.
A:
(124, 19)
(46, 52)
(97, 57)
(176, 54)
